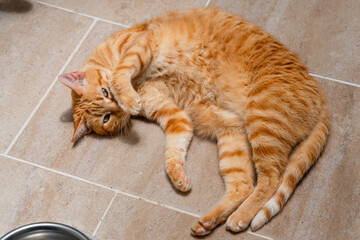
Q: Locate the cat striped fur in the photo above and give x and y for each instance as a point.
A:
(300, 160)
(215, 74)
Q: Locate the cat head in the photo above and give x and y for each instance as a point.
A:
(94, 107)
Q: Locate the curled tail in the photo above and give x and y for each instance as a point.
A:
(301, 159)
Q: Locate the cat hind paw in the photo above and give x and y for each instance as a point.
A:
(199, 230)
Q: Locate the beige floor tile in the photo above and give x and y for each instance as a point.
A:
(325, 38)
(34, 46)
(30, 194)
(326, 203)
(127, 12)
(135, 219)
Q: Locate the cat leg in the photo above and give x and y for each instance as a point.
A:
(269, 157)
(237, 171)
(178, 129)
(159, 106)
(134, 60)
(178, 135)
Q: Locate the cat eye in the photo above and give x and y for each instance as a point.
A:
(105, 92)
(106, 118)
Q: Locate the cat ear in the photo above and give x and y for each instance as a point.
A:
(75, 81)
(81, 129)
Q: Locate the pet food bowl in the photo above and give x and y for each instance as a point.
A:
(46, 231)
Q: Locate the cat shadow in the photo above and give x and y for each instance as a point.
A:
(143, 119)
(67, 116)
(127, 135)
(17, 6)
(131, 138)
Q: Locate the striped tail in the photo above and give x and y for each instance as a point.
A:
(302, 158)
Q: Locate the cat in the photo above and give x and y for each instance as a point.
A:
(216, 74)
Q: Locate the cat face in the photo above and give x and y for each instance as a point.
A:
(94, 107)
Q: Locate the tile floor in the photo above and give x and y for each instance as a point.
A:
(117, 188)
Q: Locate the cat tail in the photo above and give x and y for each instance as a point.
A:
(301, 159)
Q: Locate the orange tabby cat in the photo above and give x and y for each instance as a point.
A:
(227, 79)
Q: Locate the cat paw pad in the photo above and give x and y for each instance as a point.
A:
(199, 230)
(235, 226)
(209, 225)
(178, 177)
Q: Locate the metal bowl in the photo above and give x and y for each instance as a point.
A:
(48, 231)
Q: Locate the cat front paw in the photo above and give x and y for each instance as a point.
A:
(177, 174)
(128, 100)
(131, 104)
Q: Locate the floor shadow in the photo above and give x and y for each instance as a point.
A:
(131, 138)
(127, 135)
(67, 116)
(143, 119)
(17, 6)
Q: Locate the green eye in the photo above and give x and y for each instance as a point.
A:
(106, 118)
(105, 92)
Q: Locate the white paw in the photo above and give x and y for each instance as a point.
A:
(234, 226)
(258, 221)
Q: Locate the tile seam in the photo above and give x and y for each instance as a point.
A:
(58, 172)
(156, 203)
(258, 235)
(207, 3)
(334, 80)
(116, 191)
(104, 215)
(50, 87)
(81, 14)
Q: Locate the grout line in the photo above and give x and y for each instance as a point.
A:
(58, 172)
(117, 191)
(109, 21)
(258, 235)
(82, 14)
(104, 215)
(50, 87)
(207, 3)
(335, 80)
(157, 203)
